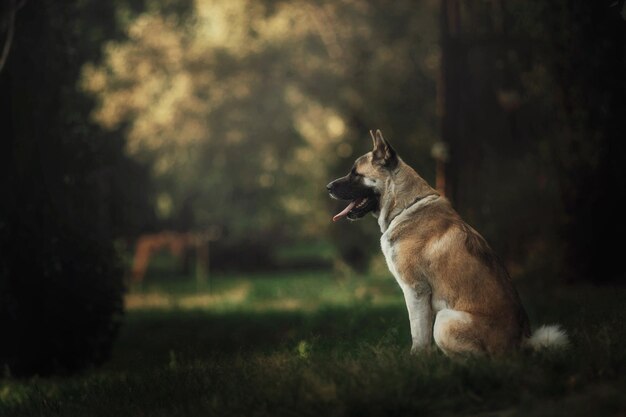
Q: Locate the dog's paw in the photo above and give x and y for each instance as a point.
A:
(419, 349)
(415, 350)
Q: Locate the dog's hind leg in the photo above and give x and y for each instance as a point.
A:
(455, 333)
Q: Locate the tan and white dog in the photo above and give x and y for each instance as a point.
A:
(456, 289)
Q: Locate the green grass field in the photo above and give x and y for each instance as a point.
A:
(311, 344)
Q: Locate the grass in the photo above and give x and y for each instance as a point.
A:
(311, 344)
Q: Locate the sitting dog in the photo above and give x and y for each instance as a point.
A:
(456, 289)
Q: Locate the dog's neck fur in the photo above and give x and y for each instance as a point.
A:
(396, 202)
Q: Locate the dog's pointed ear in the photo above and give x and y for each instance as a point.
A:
(383, 154)
(373, 138)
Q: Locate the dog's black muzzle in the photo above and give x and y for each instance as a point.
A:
(351, 188)
(348, 188)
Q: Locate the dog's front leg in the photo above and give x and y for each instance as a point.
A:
(420, 316)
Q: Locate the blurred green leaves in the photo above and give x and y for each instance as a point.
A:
(245, 109)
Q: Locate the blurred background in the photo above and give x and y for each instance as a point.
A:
(160, 146)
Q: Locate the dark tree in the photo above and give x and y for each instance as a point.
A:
(67, 192)
(588, 51)
(535, 115)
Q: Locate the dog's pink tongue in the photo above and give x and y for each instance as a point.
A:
(344, 212)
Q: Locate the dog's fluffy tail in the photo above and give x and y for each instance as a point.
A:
(548, 337)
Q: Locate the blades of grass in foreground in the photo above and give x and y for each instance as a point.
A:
(337, 359)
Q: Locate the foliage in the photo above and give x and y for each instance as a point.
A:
(68, 190)
(246, 109)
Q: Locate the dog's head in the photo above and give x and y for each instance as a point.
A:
(367, 180)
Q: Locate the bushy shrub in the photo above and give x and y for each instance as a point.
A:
(60, 299)
(66, 192)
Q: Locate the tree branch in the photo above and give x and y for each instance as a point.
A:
(10, 23)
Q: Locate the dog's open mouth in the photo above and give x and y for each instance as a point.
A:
(356, 208)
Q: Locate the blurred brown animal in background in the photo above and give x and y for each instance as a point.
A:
(177, 243)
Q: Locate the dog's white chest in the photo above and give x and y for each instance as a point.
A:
(388, 251)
